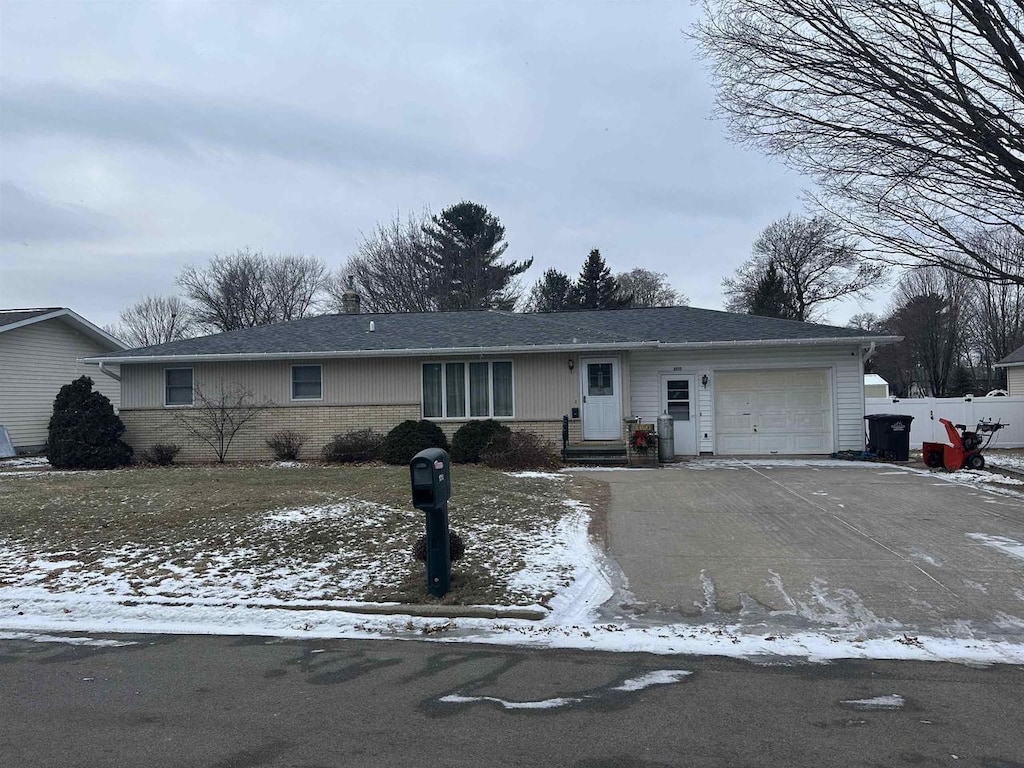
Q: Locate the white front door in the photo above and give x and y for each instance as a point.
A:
(602, 402)
(678, 400)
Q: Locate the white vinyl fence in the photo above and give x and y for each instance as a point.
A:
(928, 410)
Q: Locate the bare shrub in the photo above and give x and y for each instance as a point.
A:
(161, 454)
(286, 444)
(358, 445)
(521, 450)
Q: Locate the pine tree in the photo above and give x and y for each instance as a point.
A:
(464, 245)
(596, 287)
(771, 297)
(84, 432)
(554, 292)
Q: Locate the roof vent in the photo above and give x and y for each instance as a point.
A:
(372, 327)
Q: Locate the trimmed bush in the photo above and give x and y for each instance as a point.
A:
(84, 431)
(522, 450)
(409, 438)
(474, 437)
(358, 445)
(286, 444)
(162, 454)
(456, 547)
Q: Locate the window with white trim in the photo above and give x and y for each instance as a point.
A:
(307, 382)
(476, 390)
(178, 386)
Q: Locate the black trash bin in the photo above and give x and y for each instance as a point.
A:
(889, 435)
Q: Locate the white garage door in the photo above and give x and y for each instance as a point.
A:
(767, 412)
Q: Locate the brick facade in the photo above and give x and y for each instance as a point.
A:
(146, 427)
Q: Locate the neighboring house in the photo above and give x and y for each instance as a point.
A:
(1014, 365)
(40, 350)
(735, 384)
(875, 386)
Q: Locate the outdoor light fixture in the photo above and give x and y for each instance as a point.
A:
(704, 381)
(572, 364)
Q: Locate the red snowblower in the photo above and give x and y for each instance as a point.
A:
(966, 449)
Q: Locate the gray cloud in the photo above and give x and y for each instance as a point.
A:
(27, 218)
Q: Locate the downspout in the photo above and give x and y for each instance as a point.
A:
(869, 353)
(111, 374)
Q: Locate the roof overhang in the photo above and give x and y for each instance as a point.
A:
(73, 319)
(494, 350)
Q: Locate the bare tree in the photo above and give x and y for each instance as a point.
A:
(389, 268)
(996, 311)
(217, 418)
(649, 289)
(249, 288)
(909, 116)
(155, 320)
(816, 263)
(929, 312)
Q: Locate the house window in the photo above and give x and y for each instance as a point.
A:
(307, 382)
(177, 386)
(480, 390)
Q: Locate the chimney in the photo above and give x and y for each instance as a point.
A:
(350, 299)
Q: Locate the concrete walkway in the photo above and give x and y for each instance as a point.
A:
(820, 544)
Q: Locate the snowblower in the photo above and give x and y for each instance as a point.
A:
(966, 449)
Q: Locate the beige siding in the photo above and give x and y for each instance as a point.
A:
(843, 362)
(382, 381)
(35, 362)
(1015, 381)
(544, 387)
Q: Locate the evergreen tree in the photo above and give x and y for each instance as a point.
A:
(771, 297)
(464, 245)
(84, 432)
(597, 288)
(554, 292)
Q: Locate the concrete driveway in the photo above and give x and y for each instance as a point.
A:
(821, 544)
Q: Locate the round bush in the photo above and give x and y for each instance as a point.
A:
(456, 547)
(409, 438)
(473, 438)
(84, 432)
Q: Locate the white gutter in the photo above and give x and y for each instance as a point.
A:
(507, 350)
(111, 374)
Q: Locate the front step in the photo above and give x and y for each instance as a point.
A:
(603, 453)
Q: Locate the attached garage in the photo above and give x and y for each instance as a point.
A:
(774, 411)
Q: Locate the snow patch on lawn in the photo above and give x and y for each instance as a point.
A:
(537, 475)
(28, 461)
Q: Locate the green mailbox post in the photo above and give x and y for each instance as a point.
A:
(430, 472)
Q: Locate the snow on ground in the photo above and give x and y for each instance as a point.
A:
(1002, 543)
(658, 677)
(29, 461)
(1006, 460)
(892, 701)
(43, 597)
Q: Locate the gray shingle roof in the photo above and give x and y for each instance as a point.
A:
(1014, 358)
(343, 335)
(11, 316)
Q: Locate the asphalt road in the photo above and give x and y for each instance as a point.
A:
(221, 702)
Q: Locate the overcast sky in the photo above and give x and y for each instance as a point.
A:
(140, 137)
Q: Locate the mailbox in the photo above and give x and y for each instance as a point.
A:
(431, 479)
(430, 472)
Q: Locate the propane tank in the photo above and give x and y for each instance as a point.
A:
(666, 438)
